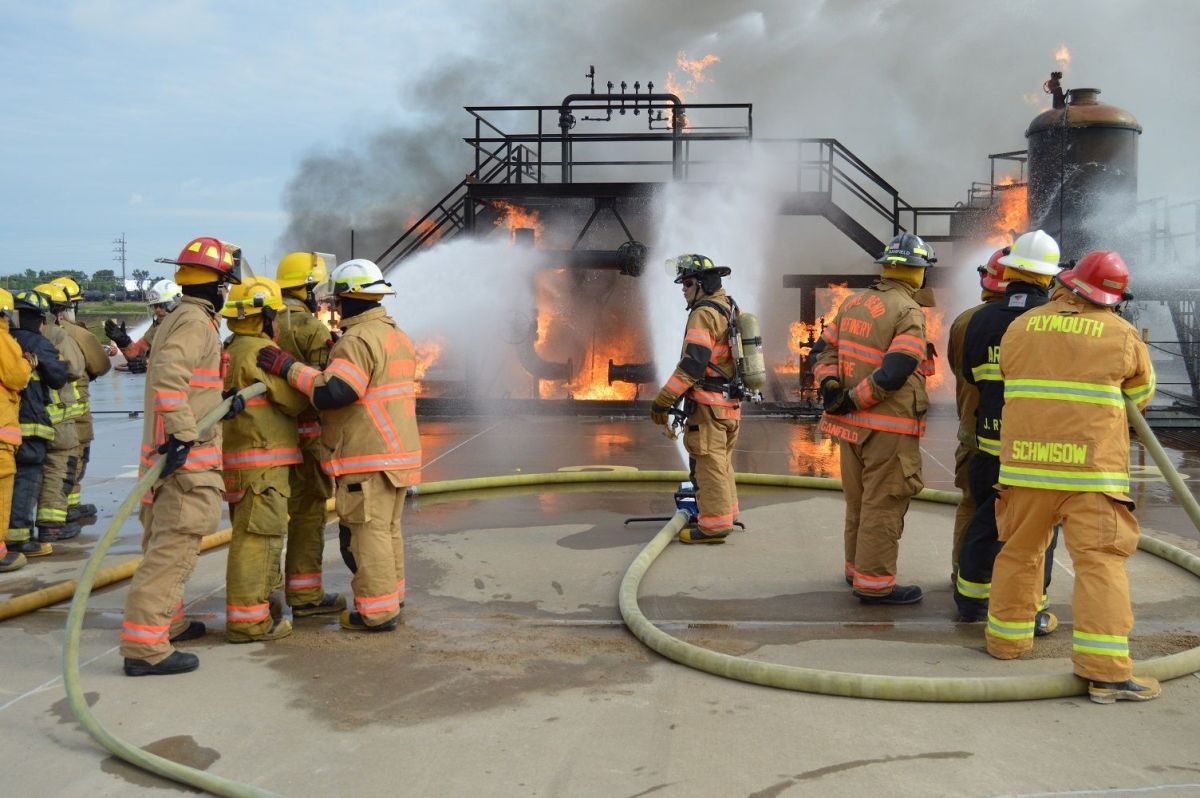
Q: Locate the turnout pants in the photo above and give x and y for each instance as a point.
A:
(966, 505)
(981, 543)
(310, 489)
(8, 475)
(1100, 533)
(82, 455)
(880, 475)
(258, 506)
(369, 505)
(185, 507)
(710, 440)
(58, 476)
(27, 486)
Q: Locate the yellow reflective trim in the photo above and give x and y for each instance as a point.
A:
(988, 445)
(1101, 638)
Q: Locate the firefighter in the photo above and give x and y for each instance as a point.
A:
(37, 430)
(58, 472)
(15, 371)
(702, 380)
(1029, 269)
(367, 403)
(96, 364)
(260, 448)
(303, 336)
(966, 398)
(872, 379)
(1068, 368)
(183, 383)
(161, 298)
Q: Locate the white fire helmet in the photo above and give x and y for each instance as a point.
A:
(358, 279)
(164, 292)
(1034, 252)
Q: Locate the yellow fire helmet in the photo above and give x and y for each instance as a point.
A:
(248, 298)
(70, 287)
(301, 270)
(6, 302)
(55, 293)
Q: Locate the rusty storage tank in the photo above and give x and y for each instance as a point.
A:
(1082, 170)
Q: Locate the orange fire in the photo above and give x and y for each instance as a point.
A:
(802, 335)
(428, 351)
(426, 226)
(694, 75)
(1011, 214)
(934, 322)
(514, 217)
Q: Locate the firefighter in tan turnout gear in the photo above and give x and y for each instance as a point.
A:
(96, 364)
(701, 381)
(366, 398)
(161, 299)
(260, 447)
(183, 383)
(1068, 367)
(58, 474)
(305, 337)
(871, 368)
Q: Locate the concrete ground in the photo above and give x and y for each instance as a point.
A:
(513, 675)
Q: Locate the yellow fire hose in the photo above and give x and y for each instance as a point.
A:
(770, 674)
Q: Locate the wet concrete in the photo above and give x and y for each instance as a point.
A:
(181, 748)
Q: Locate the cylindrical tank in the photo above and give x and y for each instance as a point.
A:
(754, 368)
(1083, 172)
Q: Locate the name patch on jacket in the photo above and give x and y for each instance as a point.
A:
(1076, 325)
(1054, 452)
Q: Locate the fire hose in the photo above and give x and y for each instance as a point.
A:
(911, 688)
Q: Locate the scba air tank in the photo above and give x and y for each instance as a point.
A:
(754, 367)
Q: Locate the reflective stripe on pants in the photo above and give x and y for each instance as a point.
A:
(711, 449)
(370, 505)
(310, 488)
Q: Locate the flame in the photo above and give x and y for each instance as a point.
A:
(1063, 56)
(423, 228)
(428, 351)
(1010, 214)
(514, 217)
(934, 325)
(802, 335)
(694, 75)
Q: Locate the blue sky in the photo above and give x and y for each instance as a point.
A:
(171, 119)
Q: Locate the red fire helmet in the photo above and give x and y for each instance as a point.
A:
(212, 254)
(991, 276)
(1099, 277)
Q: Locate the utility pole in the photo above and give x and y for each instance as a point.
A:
(119, 254)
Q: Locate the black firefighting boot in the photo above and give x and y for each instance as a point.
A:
(1044, 623)
(354, 622)
(194, 630)
(54, 534)
(80, 511)
(30, 548)
(178, 662)
(12, 561)
(901, 594)
(970, 610)
(1143, 688)
(331, 603)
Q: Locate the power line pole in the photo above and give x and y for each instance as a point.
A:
(119, 254)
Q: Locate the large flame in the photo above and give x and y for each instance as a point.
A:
(514, 217)
(428, 351)
(1010, 214)
(693, 71)
(802, 335)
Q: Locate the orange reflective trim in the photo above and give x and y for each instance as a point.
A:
(862, 396)
(383, 393)
(309, 429)
(202, 458)
(873, 583)
(337, 467)
(830, 334)
(348, 373)
(169, 400)
(145, 633)
(701, 337)
(216, 382)
(253, 613)
(10, 435)
(825, 370)
(234, 496)
(258, 401)
(715, 399)
(375, 605)
(260, 458)
(306, 377)
(385, 427)
(304, 581)
(676, 385)
(866, 354)
(884, 423)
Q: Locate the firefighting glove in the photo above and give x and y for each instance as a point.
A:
(136, 364)
(175, 454)
(835, 398)
(658, 413)
(115, 330)
(274, 360)
(236, 403)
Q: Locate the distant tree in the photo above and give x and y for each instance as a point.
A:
(140, 276)
(103, 280)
